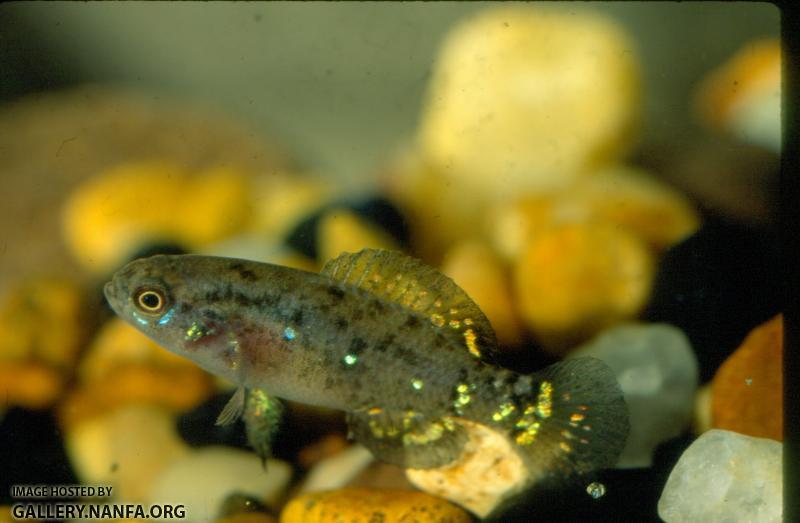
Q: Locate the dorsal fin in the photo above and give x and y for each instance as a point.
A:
(419, 288)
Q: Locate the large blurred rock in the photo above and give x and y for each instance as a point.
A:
(725, 477)
(576, 279)
(526, 98)
(51, 142)
(657, 370)
(204, 478)
(127, 448)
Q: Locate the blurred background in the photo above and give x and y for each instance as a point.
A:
(339, 83)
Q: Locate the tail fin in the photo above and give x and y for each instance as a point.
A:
(576, 423)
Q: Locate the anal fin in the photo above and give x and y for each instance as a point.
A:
(408, 439)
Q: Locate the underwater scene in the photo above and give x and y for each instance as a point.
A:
(390, 262)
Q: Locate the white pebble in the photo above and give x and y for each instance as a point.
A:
(658, 373)
(725, 477)
(203, 479)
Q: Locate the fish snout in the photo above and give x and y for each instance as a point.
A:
(111, 292)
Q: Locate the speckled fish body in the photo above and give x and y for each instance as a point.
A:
(385, 338)
(295, 334)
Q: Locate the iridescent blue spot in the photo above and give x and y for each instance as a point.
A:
(289, 333)
(350, 359)
(165, 318)
(140, 319)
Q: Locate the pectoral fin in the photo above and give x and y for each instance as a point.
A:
(408, 439)
(233, 409)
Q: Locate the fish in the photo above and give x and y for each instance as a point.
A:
(392, 342)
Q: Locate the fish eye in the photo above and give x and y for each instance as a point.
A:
(150, 301)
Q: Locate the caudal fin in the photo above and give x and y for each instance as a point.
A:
(576, 422)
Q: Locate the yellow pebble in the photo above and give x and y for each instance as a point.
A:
(623, 196)
(282, 200)
(439, 213)
(365, 505)
(45, 320)
(123, 209)
(30, 385)
(575, 279)
(528, 97)
(477, 270)
(638, 201)
(123, 366)
(341, 230)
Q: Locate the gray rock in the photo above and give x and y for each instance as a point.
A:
(658, 373)
(725, 477)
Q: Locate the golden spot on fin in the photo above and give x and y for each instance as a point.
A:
(408, 438)
(472, 346)
(544, 402)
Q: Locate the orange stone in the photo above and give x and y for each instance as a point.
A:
(747, 391)
(365, 505)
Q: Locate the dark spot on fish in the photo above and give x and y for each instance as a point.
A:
(323, 308)
(244, 273)
(184, 308)
(242, 300)
(268, 301)
(212, 315)
(412, 322)
(297, 318)
(212, 295)
(329, 383)
(447, 343)
(248, 275)
(336, 292)
(357, 315)
(408, 356)
(357, 346)
(340, 323)
(384, 343)
(377, 306)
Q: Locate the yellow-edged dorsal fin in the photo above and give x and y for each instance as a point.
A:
(409, 282)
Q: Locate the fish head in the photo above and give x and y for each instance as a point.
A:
(174, 300)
